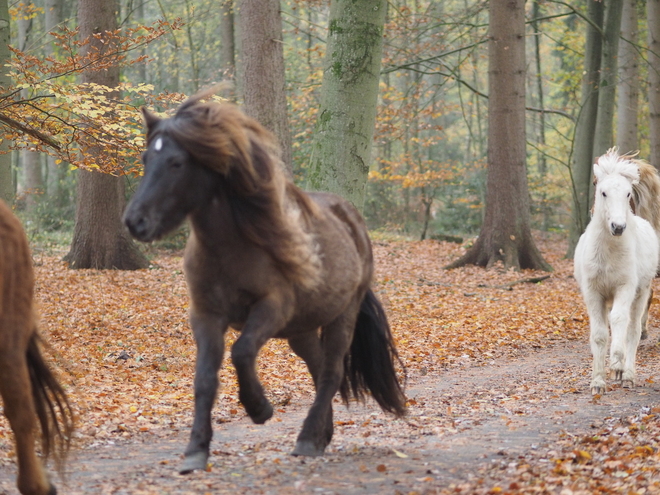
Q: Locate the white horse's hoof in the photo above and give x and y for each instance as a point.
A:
(597, 390)
(194, 462)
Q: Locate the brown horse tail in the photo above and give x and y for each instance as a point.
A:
(51, 404)
(369, 365)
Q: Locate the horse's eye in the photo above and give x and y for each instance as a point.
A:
(628, 195)
(604, 195)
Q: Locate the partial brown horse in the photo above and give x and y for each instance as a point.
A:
(267, 259)
(28, 388)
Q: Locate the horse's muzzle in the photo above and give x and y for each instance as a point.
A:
(616, 229)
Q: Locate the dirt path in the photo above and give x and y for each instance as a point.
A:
(459, 422)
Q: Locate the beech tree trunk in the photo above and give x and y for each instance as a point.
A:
(583, 142)
(604, 134)
(6, 178)
(506, 234)
(262, 70)
(653, 19)
(341, 151)
(628, 87)
(55, 172)
(100, 240)
(227, 46)
(33, 181)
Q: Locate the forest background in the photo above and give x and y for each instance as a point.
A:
(428, 172)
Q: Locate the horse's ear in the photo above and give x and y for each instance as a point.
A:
(150, 119)
(598, 172)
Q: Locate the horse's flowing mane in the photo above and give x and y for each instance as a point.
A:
(268, 209)
(646, 190)
(611, 163)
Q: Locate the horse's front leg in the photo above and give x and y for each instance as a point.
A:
(620, 321)
(209, 331)
(598, 340)
(266, 318)
(633, 335)
(317, 429)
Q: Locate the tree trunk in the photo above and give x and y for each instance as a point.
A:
(583, 142)
(227, 49)
(33, 182)
(262, 70)
(653, 19)
(628, 87)
(55, 172)
(6, 177)
(343, 137)
(604, 134)
(505, 234)
(99, 238)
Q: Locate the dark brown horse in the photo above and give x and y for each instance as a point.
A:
(28, 388)
(266, 259)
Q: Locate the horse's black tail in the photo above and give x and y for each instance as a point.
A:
(369, 365)
(51, 404)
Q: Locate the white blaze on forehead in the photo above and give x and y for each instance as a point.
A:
(158, 145)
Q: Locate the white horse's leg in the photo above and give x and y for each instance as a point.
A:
(599, 336)
(620, 321)
(633, 336)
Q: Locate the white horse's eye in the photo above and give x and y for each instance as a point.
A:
(604, 195)
(628, 195)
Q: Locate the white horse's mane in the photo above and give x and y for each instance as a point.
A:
(611, 163)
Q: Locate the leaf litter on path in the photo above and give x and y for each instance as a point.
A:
(122, 345)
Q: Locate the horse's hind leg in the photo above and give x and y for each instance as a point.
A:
(308, 347)
(645, 317)
(19, 408)
(620, 322)
(633, 337)
(209, 332)
(317, 427)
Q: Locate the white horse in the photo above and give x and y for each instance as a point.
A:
(615, 262)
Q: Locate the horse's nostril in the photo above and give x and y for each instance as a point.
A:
(136, 226)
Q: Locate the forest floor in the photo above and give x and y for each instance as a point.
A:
(498, 385)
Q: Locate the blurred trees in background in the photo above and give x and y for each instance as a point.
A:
(427, 175)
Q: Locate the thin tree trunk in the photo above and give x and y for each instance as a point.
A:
(99, 238)
(343, 137)
(227, 49)
(6, 176)
(604, 134)
(262, 70)
(506, 234)
(653, 19)
(55, 172)
(33, 182)
(628, 89)
(583, 142)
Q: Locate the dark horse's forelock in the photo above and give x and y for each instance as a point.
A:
(268, 209)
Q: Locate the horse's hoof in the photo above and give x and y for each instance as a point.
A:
(628, 383)
(618, 375)
(194, 462)
(597, 390)
(263, 416)
(308, 449)
(644, 335)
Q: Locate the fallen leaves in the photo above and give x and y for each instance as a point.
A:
(123, 347)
